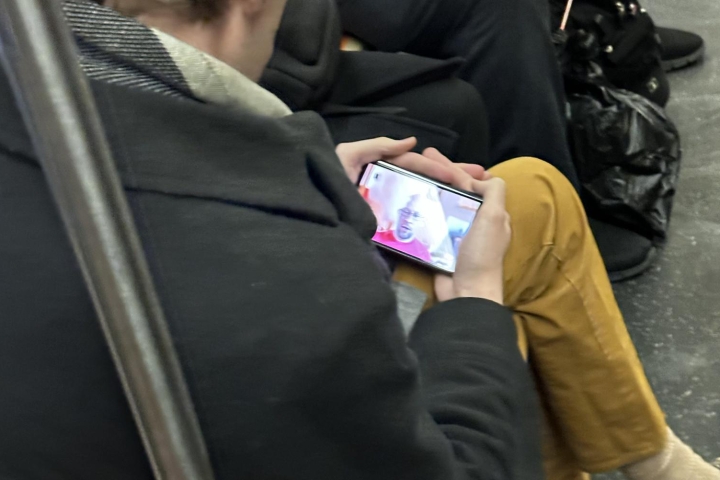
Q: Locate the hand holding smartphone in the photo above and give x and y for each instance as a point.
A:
(418, 218)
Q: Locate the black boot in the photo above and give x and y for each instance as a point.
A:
(680, 48)
(626, 254)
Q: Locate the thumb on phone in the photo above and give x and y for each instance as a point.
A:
(479, 270)
(355, 155)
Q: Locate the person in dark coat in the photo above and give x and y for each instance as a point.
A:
(288, 329)
(284, 319)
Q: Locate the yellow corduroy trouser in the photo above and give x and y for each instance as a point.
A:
(600, 412)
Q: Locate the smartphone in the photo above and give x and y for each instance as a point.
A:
(417, 217)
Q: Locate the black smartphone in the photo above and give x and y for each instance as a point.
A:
(418, 218)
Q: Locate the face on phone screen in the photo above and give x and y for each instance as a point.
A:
(416, 217)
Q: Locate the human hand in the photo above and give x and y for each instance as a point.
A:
(479, 268)
(355, 155)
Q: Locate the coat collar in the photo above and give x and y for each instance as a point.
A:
(119, 50)
(218, 83)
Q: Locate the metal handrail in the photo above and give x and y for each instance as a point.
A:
(39, 54)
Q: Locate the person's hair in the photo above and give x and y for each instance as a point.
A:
(197, 9)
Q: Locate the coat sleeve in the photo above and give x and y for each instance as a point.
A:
(477, 388)
(453, 406)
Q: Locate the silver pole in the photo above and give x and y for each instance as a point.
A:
(39, 55)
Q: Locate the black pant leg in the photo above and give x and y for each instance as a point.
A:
(452, 104)
(510, 60)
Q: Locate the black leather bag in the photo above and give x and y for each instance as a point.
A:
(625, 149)
(620, 37)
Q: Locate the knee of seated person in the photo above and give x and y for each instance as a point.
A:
(461, 100)
(532, 188)
(466, 95)
(529, 170)
(528, 177)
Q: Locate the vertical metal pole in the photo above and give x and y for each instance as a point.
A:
(39, 55)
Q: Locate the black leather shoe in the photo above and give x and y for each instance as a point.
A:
(680, 48)
(626, 254)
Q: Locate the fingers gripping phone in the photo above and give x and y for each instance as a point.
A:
(417, 217)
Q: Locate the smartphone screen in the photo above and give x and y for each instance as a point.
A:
(417, 217)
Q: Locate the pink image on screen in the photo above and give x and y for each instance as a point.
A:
(416, 217)
(414, 247)
(400, 206)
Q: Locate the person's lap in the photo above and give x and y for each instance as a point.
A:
(452, 104)
(570, 328)
(447, 113)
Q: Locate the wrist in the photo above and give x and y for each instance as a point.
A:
(494, 295)
(489, 287)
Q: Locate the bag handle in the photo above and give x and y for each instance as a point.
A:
(566, 15)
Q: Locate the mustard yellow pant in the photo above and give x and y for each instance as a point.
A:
(600, 412)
